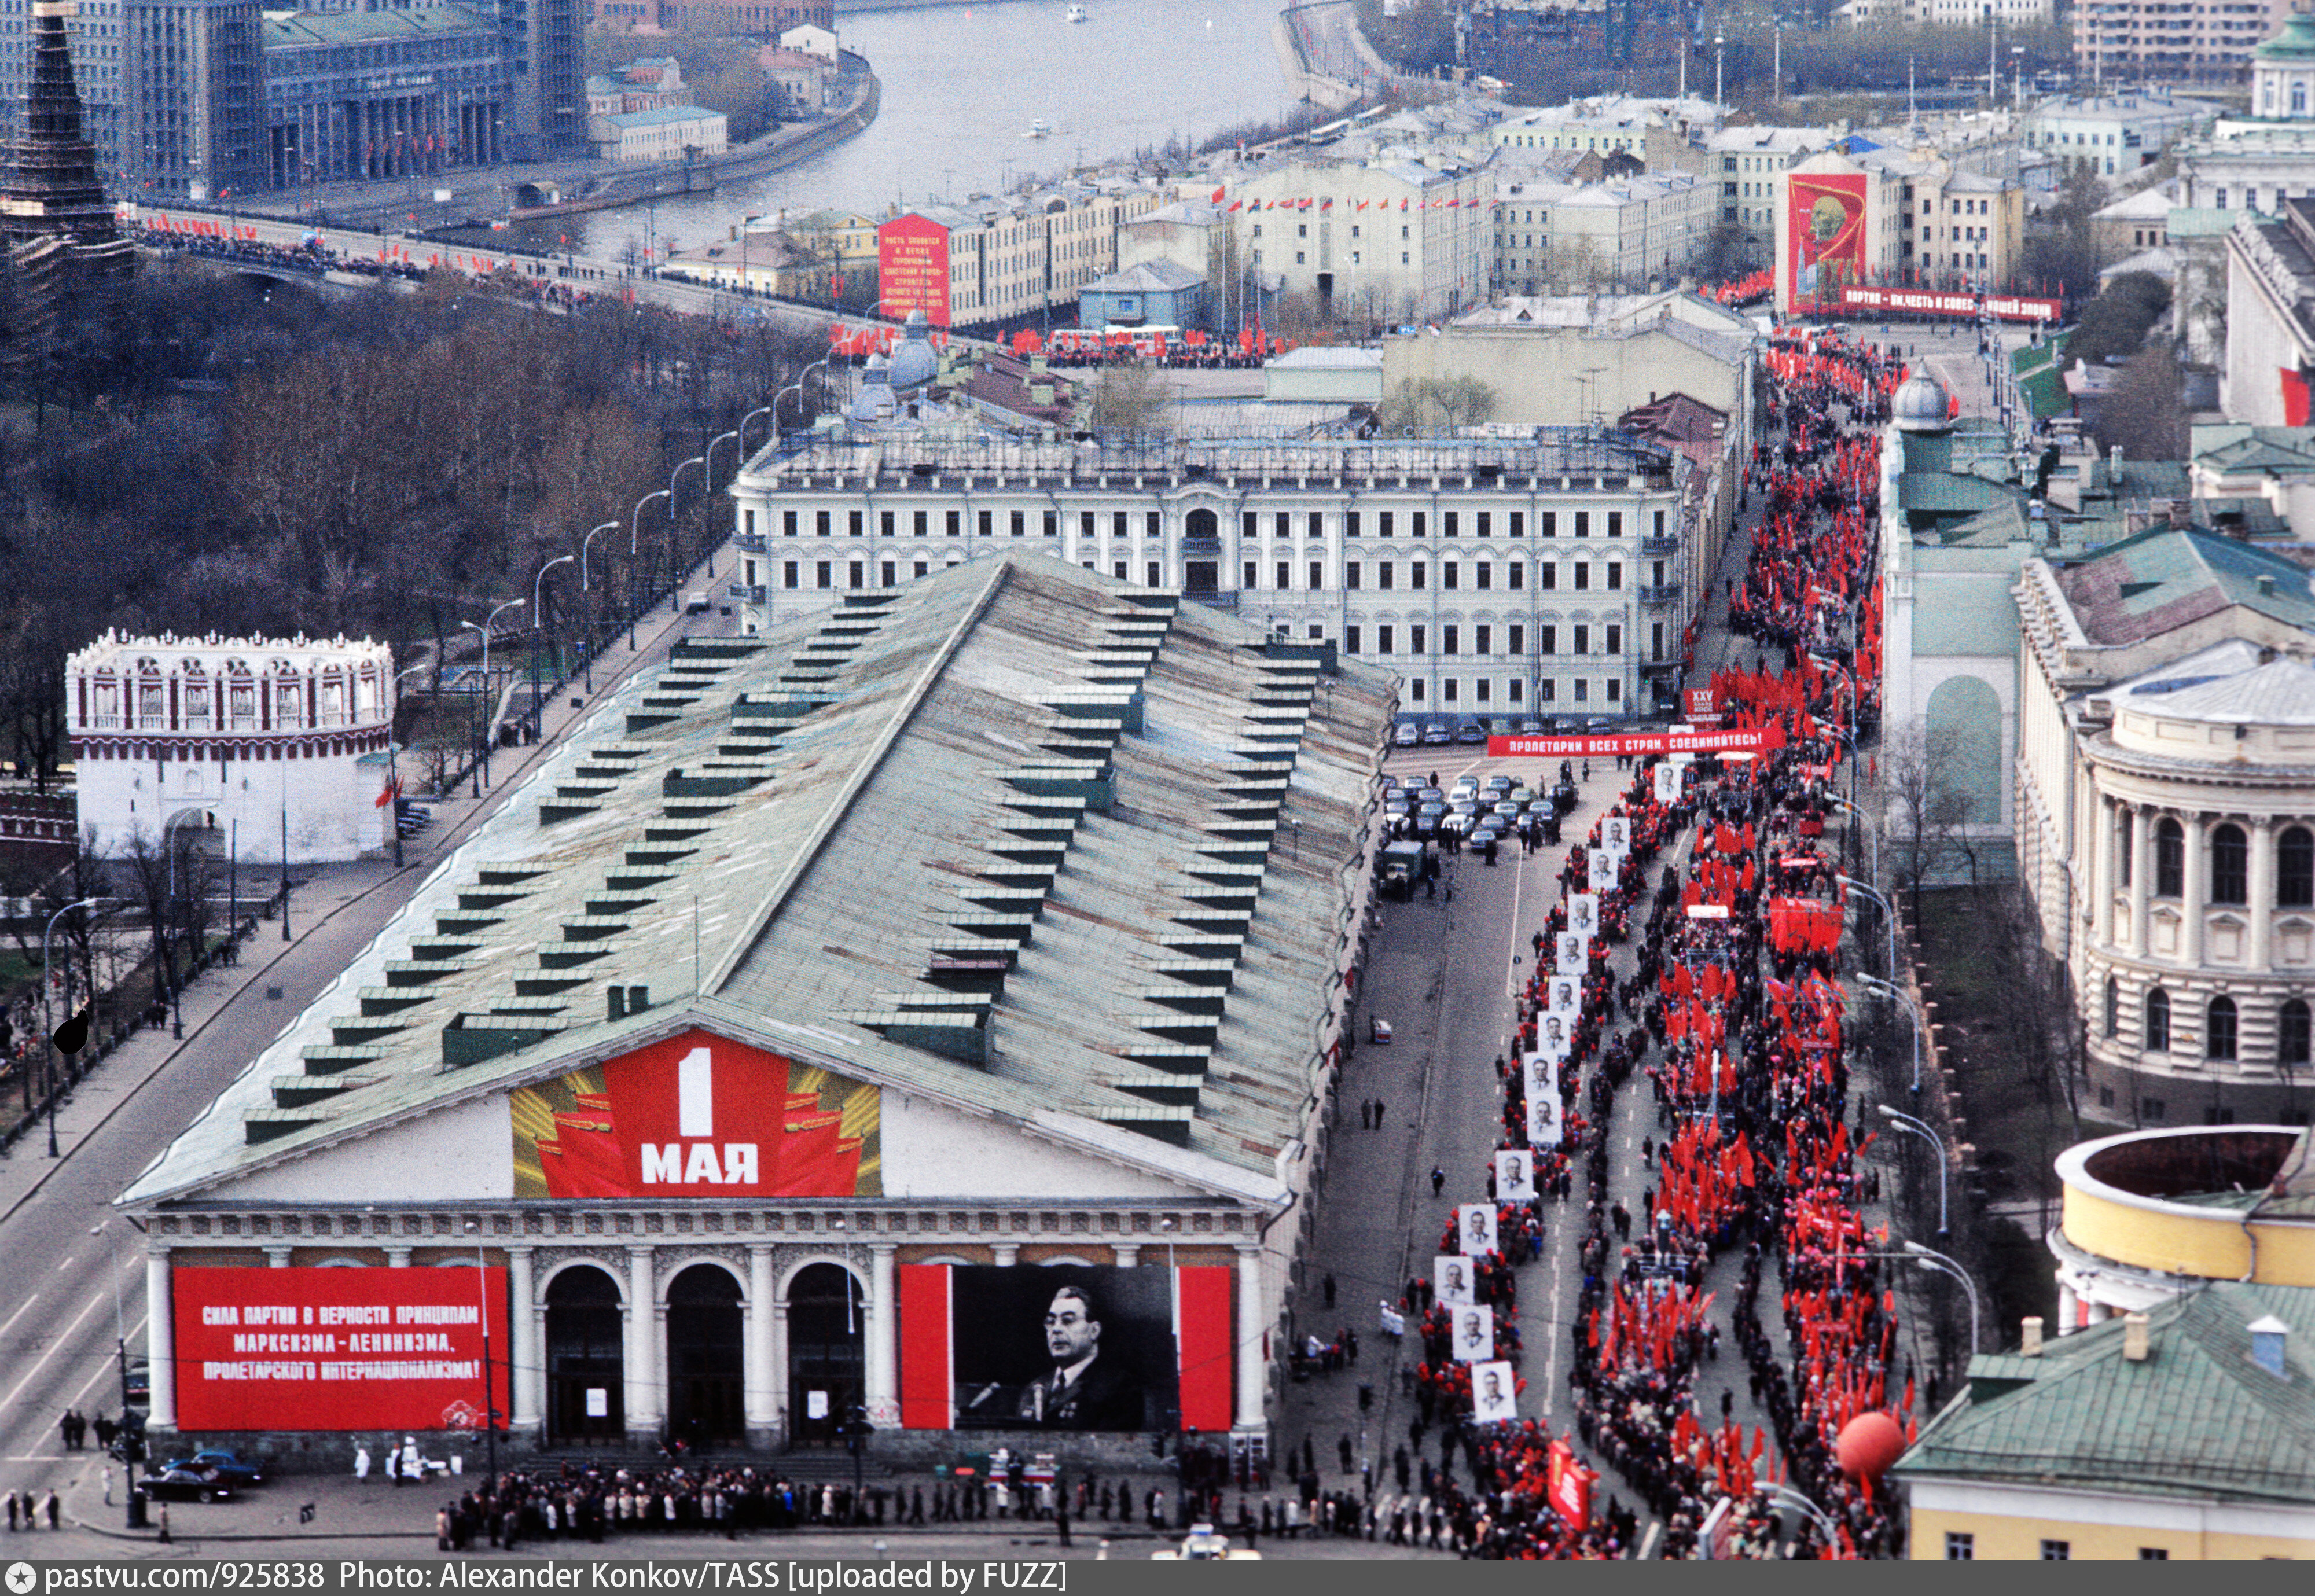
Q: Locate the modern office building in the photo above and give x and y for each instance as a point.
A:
(365, 94)
(2157, 40)
(1534, 574)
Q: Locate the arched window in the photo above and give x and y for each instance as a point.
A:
(2113, 1006)
(2169, 859)
(2158, 1021)
(2291, 1032)
(2294, 873)
(2229, 866)
(2219, 1033)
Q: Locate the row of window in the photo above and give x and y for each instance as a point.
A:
(2230, 883)
(2221, 1025)
(1282, 525)
(1961, 1547)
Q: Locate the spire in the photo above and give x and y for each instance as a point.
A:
(51, 189)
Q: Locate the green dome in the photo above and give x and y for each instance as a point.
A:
(2296, 42)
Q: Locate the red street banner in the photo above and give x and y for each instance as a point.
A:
(1753, 741)
(2008, 307)
(336, 1349)
(1569, 1485)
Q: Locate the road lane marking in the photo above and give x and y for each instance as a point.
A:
(63, 1336)
(19, 1314)
(109, 1366)
(65, 1265)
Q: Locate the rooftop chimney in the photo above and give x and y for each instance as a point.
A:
(2133, 1337)
(2029, 1336)
(2268, 1338)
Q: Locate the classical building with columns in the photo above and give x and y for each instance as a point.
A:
(2166, 821)
(838, 1011)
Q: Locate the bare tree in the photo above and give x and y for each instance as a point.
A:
(1127, 400)
(1435, 406)
(1922, 805)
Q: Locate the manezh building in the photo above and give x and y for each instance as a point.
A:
(916, 1015)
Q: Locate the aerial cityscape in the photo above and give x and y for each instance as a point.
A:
(767, 773)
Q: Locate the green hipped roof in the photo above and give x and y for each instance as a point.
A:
(2296, 42)
(2197, 1418)
(2163, 578)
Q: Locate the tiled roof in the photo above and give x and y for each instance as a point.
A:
(2163, 579)
(2197, 1417)
(1015, 838)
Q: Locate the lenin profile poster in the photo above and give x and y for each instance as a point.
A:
(697, 1115)
(1076, 1346)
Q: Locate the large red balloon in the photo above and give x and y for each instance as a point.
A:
(1868, 1444)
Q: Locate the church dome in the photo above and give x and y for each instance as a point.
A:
(1921, 404)
(2296, 42)
(914, 360)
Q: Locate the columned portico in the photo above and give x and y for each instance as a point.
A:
(883, 1393)
(1253, 1367)
(765, 1360)
(160, 1339)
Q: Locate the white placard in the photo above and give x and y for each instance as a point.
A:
(1667, 784)
(1475, 1222)
(1616, 834)
(1542, 1078)
(1475, 1334)
(1600, 871)
(1553, 1034)
(1495, 1394)
(1564, 996)
(1451, 1281)
(1515, 1174)
(1584, 913)
(599, 1402)
(1543, 1126)
(1571, 954)
(815, 1405)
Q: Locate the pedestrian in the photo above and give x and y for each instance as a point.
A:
(55, 1510)
(1377, 1105)
(1366, 1114)
(12, 1512)
(1328, 1286)
(1438, 1180)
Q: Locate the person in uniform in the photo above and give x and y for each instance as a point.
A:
(1084, 1390)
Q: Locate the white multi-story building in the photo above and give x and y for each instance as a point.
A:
(1629, 233)
(291, 737)
(2112, 134)
(1531, 575)
(990, 261)
(2150, 39)
(1399, 240)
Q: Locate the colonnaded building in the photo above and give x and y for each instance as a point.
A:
(836, 1012)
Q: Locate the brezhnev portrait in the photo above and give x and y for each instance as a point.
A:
(1069, 1347)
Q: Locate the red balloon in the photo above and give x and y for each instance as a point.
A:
(1868, 1444)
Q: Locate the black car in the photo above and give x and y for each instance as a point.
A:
(186, 1485)
(1472, 733)
(232, 1468)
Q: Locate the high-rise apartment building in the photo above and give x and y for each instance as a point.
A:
(2135, 39)
(193, 107)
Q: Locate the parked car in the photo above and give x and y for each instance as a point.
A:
(1499, 783)
(1435, 736)
(187, 1485)
(1474, 732)
(1405, 736)
(229, 1466)
(1528, 727)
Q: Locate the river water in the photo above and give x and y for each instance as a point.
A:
(962, 84)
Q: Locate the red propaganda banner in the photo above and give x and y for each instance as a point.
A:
(1703, 706)
(1826, 220)
(1753, 741)
(697, 1115)
(2008, 307)
(1569, 1487)
(912, 269)
(337, 1349)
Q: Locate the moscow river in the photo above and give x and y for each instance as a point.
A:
(962, 85)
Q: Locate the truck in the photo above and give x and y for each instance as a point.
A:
(1398, 867)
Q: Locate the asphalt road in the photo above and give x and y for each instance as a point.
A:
(74, 1271)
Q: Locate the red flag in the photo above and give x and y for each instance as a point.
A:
(392, 791)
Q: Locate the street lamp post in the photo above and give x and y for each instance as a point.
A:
(635, 527)
(584, 545)
(490, 1409)
(538, 627)
(1929, 1259)
(674, 595)
(1905, 1122)
(1864, 825)
(1889, 915)
(707, 484)
(483, 766)
(1913, 1014)
(176, 987)
(796, 387)
(751, 415)
(119, 1333)
(49, 1016)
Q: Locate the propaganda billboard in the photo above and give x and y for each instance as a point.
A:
(2007, 307)
(697, 1116)
(1065, 1346)
(337, 1349)
(912, 269)
(1825, 221)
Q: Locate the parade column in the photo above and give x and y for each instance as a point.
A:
(160, 1342)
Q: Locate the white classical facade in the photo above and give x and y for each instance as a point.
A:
(291, 737)
(1539, 574)
(2167, 834)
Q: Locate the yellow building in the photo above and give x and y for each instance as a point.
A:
(2174, 1416)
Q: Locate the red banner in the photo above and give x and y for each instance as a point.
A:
(925, 1367)
(1752, 741)
(1825, 223)
(337, 1349)
(2007, 307)
(1201, 1332)
(912, 269)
